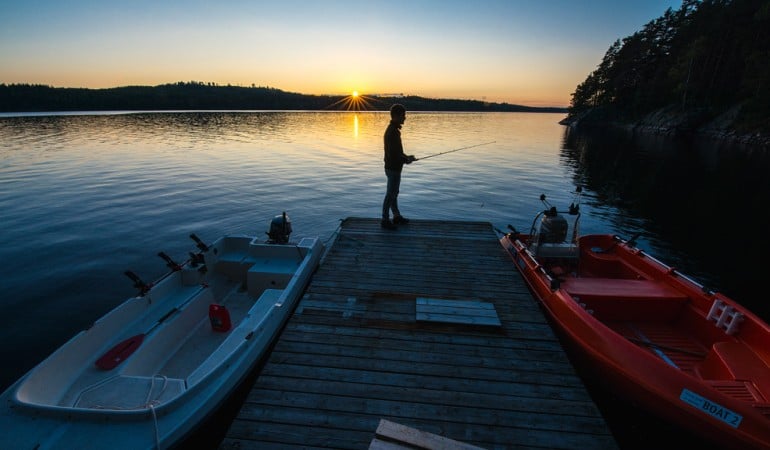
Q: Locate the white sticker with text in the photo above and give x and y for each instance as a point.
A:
(711, 408)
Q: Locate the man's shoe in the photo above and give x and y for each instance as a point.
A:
(387, 224)
(400, 220)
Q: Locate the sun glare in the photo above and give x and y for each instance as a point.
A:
(353, 102)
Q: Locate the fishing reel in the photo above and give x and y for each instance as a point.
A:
(197, 259)
(140, 285)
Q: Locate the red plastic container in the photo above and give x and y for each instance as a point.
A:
(220, 317)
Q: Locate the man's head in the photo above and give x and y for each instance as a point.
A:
(398, 112)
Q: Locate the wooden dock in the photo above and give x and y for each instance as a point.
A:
(399, 328)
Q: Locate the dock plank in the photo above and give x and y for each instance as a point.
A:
(354, 354)
(456, 311)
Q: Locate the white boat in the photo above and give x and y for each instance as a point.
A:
(144, 375)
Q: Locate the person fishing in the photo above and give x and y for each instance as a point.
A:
(394, 163)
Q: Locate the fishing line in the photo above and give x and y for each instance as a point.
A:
(455, 150)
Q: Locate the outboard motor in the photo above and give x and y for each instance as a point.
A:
(553, 227)
(280, 229)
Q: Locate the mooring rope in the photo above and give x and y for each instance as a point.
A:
(148, 404)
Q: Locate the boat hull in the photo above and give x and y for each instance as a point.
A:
(176, 364)
(642, 331)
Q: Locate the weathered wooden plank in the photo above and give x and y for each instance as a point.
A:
(530, 331)
(334, 303)
(538, 349)
(456, 311)
(390, 359)
(300, 374)
(473, 304)
(378, 444)
(515, 393)
(320, 419)
(409, 352)
(354, 352)
(401, 433)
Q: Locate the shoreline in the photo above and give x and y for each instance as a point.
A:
(689, 125)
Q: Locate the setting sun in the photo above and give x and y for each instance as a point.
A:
(354, 102)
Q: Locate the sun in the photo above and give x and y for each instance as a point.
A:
(353, 102)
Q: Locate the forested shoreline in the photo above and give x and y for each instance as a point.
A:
(703, 69)
(194, 95)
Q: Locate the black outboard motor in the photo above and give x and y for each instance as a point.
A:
(280, 229)
(553, 227)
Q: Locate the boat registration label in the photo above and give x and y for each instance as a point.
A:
(711, 408)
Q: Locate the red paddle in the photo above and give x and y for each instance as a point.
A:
(120, 352)
(123, 349)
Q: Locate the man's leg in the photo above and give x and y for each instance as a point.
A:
(390, 203)
(394, 184)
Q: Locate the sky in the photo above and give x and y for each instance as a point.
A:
(522, 52)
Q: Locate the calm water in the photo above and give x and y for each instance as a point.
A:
(85, 197)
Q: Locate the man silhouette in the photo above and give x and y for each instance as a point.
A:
(394, 163)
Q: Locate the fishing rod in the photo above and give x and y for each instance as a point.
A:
(455, 150)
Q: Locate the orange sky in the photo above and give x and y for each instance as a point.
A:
(502, 51)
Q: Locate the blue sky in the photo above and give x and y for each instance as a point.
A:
(524, 52)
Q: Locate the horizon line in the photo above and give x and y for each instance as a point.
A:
(255, 86)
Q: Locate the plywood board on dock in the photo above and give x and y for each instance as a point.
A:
(394, 436)
(354, 352)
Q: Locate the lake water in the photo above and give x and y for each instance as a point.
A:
(84, 197)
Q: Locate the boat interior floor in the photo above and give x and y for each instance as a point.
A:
(94, 386)
(747, 379)
(203, 340)
(664, 340)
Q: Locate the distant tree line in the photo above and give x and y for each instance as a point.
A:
(707, 58)
(195, 95)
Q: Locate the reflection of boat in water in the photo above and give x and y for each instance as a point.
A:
(144, 375)
(649, 333)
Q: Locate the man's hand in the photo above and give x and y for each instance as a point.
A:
(410, 159)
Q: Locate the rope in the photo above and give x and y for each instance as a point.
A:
(151, 405)
(155, 423)
(327, 243)
(148, 404)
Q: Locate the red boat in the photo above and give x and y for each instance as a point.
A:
(649, 333)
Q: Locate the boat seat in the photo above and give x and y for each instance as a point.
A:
(734, 360)
(556, 250)
(621, 288)
(227, 256)
(626, 299)
(276, 277)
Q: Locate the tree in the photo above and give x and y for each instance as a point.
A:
(707, 56)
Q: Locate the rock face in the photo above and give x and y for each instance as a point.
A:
(672, 121)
